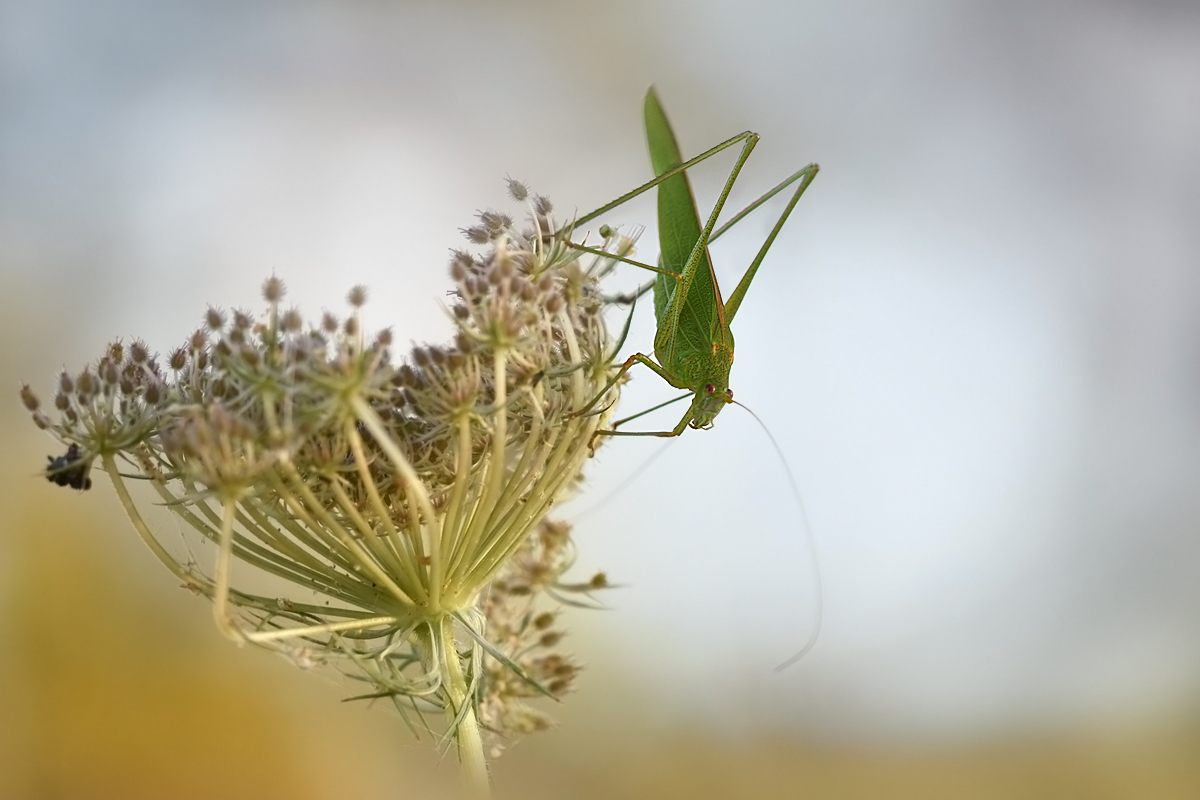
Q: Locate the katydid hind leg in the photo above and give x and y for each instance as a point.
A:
(735, 299)
(754, 206)
(658, 179)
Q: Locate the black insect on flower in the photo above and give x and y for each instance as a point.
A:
(69, 469)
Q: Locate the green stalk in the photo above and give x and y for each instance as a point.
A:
(461, 711)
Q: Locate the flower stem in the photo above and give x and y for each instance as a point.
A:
(110, 466)
(461, 710)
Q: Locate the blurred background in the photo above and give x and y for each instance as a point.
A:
(977, 342)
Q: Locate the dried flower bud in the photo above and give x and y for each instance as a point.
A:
(28, 398)
(477, 234)
(273, 290)
(404, 376)
(495, 222)
(517, 190)
(291, 321)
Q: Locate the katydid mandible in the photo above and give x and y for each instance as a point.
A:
(693, 343)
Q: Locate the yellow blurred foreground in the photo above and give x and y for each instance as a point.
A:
(114, 684)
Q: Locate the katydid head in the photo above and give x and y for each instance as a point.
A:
(707, 403)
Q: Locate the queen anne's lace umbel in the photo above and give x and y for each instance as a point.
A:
(380, 500)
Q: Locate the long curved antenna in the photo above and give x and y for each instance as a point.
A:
(818, 588)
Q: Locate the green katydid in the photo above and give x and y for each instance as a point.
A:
(693, 344)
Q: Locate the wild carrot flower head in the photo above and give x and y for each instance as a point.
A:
(376, 498)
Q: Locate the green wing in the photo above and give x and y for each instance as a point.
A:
(688, 310)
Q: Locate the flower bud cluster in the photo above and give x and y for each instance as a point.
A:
(521, 625)
(391, 491)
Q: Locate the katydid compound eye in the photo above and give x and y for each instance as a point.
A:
(729, 392)
(708, 387)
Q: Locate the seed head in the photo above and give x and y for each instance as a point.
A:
(273, 289)
(291, 321)
(357, 297)
(517, 190)
(86, 383)
(28, 398)
(408, 497)
(139, 354)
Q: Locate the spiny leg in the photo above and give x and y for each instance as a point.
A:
(750, 209)
(564, 232)
(677, 430)
(735, 299)
(699, 251)
(650, 410)
(629, 362)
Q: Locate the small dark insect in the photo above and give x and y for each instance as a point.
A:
(69, 470)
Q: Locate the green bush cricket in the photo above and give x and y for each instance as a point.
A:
(693, 343)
